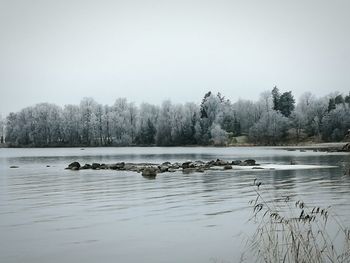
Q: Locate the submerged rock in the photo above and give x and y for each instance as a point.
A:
(149, 172)
(14, 166)
(86, 166)
(227, 167)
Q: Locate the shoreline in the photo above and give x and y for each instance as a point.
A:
(320, 145)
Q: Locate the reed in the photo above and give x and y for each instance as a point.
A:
(291, 231)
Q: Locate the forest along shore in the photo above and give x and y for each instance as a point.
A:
(274, 119)
(151, 169)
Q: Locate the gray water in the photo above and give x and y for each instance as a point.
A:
(48, 214)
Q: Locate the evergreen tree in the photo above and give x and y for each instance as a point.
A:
(286, 103)
(276, 98)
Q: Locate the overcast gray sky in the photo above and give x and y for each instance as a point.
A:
(61, 51)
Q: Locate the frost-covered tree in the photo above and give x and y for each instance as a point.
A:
(71, 125)
(270, 129)
(87, 108)
(121, 123)
(146, 124)
(216, 119)
(164, 124)
(336, 123)
(247, 114)
(218, 135)
(2, 129)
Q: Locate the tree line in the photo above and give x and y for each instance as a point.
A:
(273, 119)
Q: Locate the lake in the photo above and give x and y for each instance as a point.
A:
(49, 214)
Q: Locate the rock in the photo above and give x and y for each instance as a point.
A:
(74, 165)
(257, 168)
(75, 168)
(104, 166)
(236, 162)
(171, 170)
(188, 170)
(192, 165)
(86, 166)
(163, 168)
(200, 170)
(210, 163)
(47, 165)
(186, 165)
(219, 162)
(166, 163)
(227, 167)
(95, 166)
(117, 166)
(346, 148)
(249, 162)
(149, 172)
(292, 162)
(14, 166)
(175, 166)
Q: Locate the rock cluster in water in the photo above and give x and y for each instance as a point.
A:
(151, 170)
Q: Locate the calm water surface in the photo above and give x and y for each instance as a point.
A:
(48, 214)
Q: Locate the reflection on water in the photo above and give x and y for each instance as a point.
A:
(48, 214)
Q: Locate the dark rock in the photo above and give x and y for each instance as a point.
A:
(104, 166)
(47, 165)
(95, 166)
(219, 162)
(257, 168)
(14, 166)
(346, 148)
(149, 172)
(166, 163)
(249, 162)
(75, 168)
(210, 163)
(192, 165)
(292, 162)
(117, 166)
(186, 165)
(236, 162)
(86, 166)
(227, 167)
(171, 170)
(74, 165)
(175, 166)
(163, 168)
